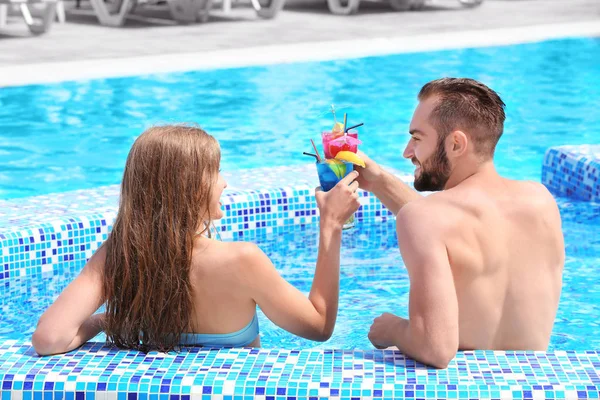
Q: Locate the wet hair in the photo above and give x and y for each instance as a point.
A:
(467, 105)
(165, 194)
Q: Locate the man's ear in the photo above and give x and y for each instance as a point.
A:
(458, 144)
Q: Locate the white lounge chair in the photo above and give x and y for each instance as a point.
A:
(269, 10)
(470, 3)
(36, 26)
(184, 11)
(190, 11)
(113, 14)
(405, 5)
(351, 6)
(266, 11)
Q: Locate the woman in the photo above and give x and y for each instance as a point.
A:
(166, 283)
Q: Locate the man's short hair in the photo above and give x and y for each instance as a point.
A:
(467, 105)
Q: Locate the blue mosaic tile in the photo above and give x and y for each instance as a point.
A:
(105, 373)
(36, 233)
(573, 171)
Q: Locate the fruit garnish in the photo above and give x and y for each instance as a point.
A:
(337, 166)
(350, 157)
(343, 143)
(338, 128)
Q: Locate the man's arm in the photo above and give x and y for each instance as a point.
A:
(431, 334)
(391, 191)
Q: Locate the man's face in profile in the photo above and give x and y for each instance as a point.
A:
(428, 155)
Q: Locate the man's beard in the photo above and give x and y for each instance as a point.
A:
(435, 171)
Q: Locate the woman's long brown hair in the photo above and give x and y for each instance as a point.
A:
(165, 194)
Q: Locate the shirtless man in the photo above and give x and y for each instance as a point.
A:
(485, 254)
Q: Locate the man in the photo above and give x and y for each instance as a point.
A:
(485, 254)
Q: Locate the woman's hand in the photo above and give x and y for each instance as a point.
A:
(337, 205)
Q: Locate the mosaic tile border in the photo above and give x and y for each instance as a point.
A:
(98, 372)
(33, 211)
(573, 171)
(39, 232)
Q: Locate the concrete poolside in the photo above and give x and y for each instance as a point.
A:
(150, 32)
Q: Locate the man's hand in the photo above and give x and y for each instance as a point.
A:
(390, 190)
(337, 205)
(370, 174)
(386, 330)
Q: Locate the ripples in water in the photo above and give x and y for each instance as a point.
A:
(265, 116)
(373, 281)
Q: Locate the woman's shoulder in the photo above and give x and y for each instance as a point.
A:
(236, 249)
(231, 254)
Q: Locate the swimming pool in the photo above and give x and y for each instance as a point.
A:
(264, 116)
(373, 281)
(45, 240)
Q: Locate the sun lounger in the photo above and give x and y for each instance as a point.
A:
(184, 11)
(266, 11)
(112, 14)
(36, 26)
(405, 5)
(189, 11)
(351, 6)
(470, 3)
(269, 10)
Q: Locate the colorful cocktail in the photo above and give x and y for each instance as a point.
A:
(330, 173)
(334, 142)
(340, 146)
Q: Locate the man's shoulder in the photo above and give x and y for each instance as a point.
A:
(424, 213)
(420, 207)
(536, 193)
(432, 206)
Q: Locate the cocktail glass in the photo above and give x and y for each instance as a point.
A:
(337, 141)
(330, 173)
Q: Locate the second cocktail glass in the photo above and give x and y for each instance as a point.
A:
(330, 173)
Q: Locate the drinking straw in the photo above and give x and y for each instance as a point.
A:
(316, 151)
(345, 120)
(355, 126)
(310, 154)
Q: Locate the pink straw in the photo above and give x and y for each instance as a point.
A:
(316, 151)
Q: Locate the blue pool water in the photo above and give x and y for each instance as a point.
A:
(373, 281)
(76, 135)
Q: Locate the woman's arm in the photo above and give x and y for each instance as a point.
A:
(313, 317)
(69, 322)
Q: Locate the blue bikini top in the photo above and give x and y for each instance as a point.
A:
(241, 338)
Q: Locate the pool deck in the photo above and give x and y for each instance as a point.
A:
(150, 32)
